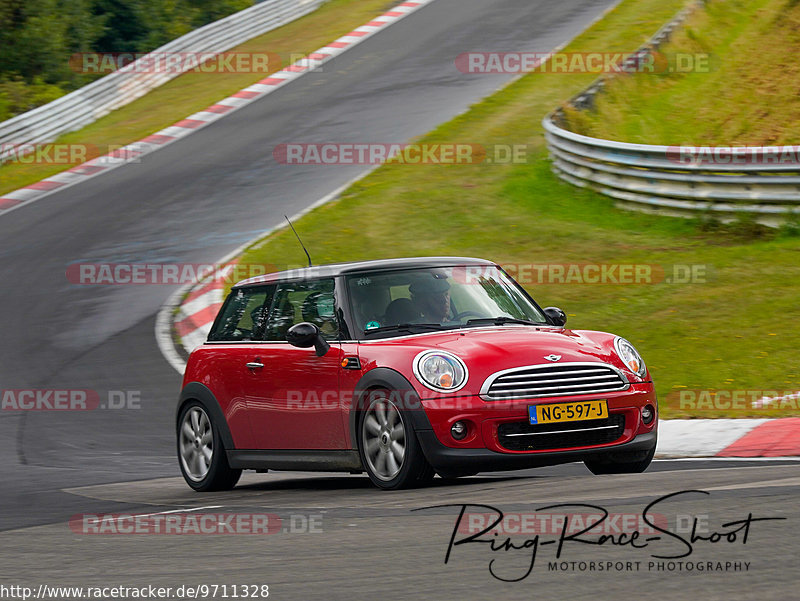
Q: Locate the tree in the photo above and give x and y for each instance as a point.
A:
(38, 38)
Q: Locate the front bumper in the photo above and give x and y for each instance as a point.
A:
(442, 457)
(484, 418)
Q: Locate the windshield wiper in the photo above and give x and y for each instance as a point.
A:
(498, 321)
(407, 327)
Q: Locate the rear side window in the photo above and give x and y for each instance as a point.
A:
(300, 301)
(243, 316)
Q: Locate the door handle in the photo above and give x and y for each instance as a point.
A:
(254, 365)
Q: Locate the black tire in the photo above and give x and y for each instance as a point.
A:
(210, 475)
(622, 463)
(427, 474)
(376, 443)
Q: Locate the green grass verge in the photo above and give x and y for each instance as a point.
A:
(192, 92)
(747, 95)
(736, 331)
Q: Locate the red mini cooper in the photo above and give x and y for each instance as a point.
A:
(406, 368)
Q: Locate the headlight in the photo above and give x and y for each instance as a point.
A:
(440, 370)
(630, 357)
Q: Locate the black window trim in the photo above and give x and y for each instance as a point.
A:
(340, 315)
(229, 299)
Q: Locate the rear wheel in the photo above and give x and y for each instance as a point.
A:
(201, 454)
(623, 463)
(388, 445)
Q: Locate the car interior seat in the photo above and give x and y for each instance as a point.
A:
(401, 310)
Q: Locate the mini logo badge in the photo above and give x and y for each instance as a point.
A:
(553, 357)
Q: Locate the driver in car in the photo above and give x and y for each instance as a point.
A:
(432, 298)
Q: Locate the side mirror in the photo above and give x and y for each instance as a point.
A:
(305, 335)
(555, 315)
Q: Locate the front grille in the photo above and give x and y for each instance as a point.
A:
(553, 380)
(523, 436)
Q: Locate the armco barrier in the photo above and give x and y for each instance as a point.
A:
(89, 103)
(666, 179)
(654, 178)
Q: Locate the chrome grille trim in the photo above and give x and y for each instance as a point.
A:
(561, 373)
(547, 380)
(506, 384)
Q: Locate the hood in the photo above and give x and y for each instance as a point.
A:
(486, 350)
(527, 345)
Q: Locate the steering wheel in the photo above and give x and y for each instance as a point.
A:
(466, 314)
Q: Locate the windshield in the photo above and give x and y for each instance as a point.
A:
(427, 299)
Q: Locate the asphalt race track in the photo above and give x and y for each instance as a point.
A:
(196, 200)
(338, 538)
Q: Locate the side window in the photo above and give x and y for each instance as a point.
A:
(296, 302)
(243, 315)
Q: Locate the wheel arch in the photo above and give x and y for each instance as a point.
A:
(392, 380)
(195, 391)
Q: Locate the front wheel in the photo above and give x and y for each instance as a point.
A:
(201, 454)
(627, 463)
(389, 447)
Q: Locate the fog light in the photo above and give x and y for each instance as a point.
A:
(458, 430)
(648, 413)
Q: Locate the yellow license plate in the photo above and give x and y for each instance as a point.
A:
(567, 412)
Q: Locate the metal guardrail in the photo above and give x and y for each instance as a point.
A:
(655, 178)
(89, 103)
(676, 180)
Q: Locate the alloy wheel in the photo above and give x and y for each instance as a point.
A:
(383, 435)
(196, 443)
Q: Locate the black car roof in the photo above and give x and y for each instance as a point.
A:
(334, 269)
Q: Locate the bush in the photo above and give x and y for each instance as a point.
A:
(18, 96)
